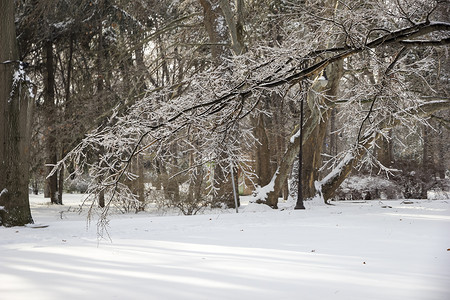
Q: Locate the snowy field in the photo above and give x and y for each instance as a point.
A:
(366, 250)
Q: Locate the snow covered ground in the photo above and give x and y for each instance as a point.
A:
(352, 250)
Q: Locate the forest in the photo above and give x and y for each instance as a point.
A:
(194, 103)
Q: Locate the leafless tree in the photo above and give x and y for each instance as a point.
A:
(212, 105)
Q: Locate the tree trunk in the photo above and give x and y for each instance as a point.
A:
(15, 119)
(100, 94)
(299, 204)
(312, 157)
(214, 22)
(235, 25)
(60, 184)
(66, 115)
(443, 148)
(101, 199)
(171, 187)
(136, 186)
(141, 181)
(333, 150)
(49, 121)
(224, 185)
(384, 151)
(426, 153)
(262, 152)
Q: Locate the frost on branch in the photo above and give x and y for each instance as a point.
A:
(191, 128)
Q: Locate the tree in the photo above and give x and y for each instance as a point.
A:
(15, 119)
(211, 103)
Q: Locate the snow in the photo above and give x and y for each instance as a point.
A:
(63, 24)
(221, 25)
(21, 76)
(295, 136)
(255, 207)
(261, 192)
(335, 172)
(130, 17)
(352, 250)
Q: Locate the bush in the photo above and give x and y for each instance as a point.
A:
(366, 187)
(77, 185)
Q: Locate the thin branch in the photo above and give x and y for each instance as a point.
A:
(426, 43)
(386, 73)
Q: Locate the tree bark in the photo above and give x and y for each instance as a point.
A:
(235, 25)
(262, 153)
(333, 149)
(313, 155)
(141, 181)
(100, 94)
(384, 151)
(15, 118)
(215, 25)
(49, 121)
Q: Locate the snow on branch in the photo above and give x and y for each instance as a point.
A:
(426, 43)
(4, 192)
(209, 116)
(335, 172)
(20, 77)
(261, 192)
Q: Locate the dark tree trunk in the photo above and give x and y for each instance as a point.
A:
(426, 153)
(101, 199)
(299, 204)
(69, 109)
(99, 105)
(50, 118)
(15, 118)
(443, 148)
(291, 154)
(141, 181)
(60, 184)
